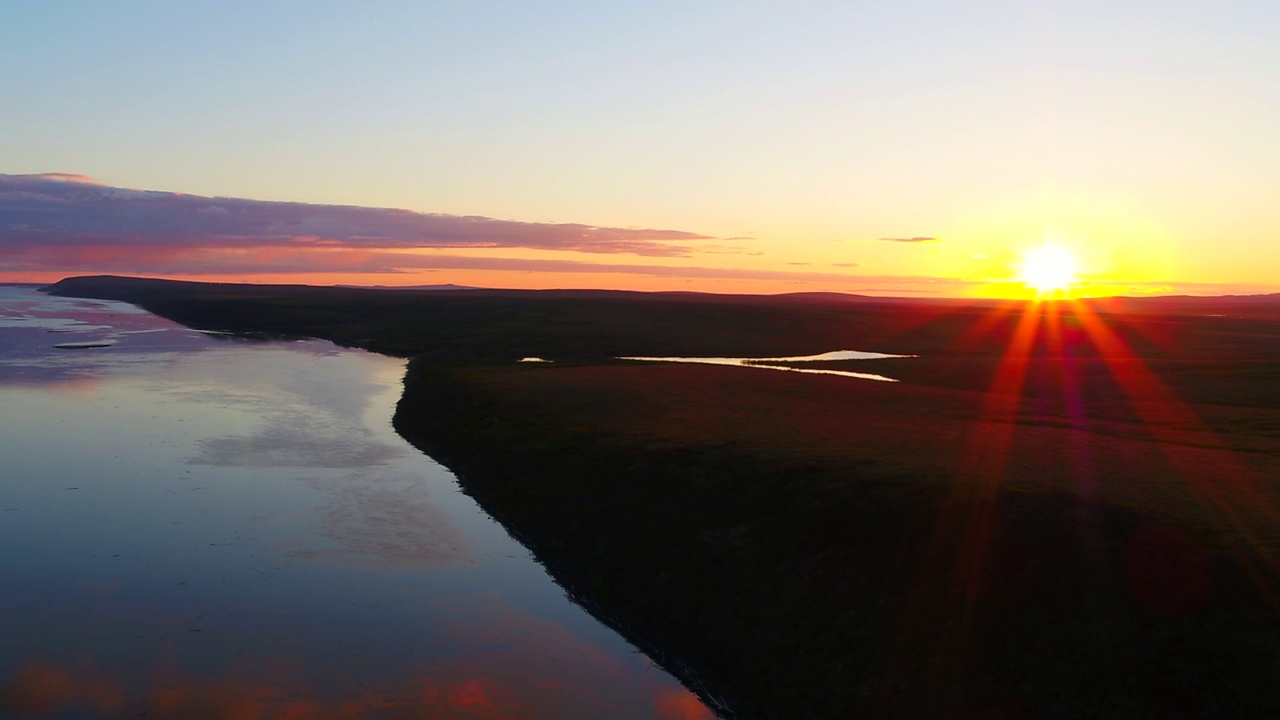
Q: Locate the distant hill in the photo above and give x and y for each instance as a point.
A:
(444, 286)
(1225, 305)
(1260, 306)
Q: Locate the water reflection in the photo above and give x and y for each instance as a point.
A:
(201, 527)
(458, 691)
(391, 526)
(86, 345)
(772, 363)
(493, 680)
(111, 337)
(293, 447)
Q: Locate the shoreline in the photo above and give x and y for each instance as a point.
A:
(753, 574)
(409, 422)
(814, 546)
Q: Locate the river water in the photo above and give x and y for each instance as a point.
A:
(196, 526)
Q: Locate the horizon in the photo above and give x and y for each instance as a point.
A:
(914, 150)
(450, 287)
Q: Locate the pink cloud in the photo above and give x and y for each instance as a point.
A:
(58, 224)
(196, 261)
(63, 210)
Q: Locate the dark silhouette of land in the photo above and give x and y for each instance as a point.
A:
(1062, 510)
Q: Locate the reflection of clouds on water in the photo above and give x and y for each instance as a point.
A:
(389, 520)
(296, 446)
(310, 416)
(119, 338)
(489, 685)
(494, 661)
(53, 325)
(277, 384)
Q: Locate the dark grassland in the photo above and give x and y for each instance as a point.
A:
(1059, 512)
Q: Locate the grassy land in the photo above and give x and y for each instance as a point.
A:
(1053, 515)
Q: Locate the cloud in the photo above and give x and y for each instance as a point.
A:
(196, 261)
(918, 239)
(70, 224)
(64, 177)
(72, 211)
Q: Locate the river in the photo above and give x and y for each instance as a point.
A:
(202, 526)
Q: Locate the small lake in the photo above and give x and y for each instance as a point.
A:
(199, 526)
(781, 363)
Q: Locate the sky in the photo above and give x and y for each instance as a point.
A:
(915, 148)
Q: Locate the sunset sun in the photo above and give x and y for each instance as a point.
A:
(1049, 269)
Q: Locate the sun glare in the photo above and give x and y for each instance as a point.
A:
(1050, 270)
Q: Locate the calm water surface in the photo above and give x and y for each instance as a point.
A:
(194, 526)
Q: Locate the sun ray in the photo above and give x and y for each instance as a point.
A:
(1065, 340)
(961, 537)
(1238, 500)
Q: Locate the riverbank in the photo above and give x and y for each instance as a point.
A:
(803, 576)
(1079, 520)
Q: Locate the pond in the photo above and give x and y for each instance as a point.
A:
(779, 363)
(200, 526)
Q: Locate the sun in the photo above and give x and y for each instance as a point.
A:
(1050, 270)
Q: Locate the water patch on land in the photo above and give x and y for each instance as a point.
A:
(768, 362)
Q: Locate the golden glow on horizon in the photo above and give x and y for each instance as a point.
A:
(1049, 269)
